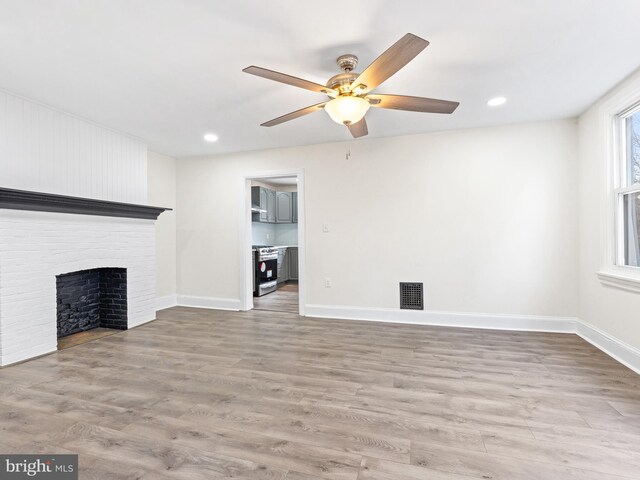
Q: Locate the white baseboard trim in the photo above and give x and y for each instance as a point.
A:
(615, 348)
(530, 323)
(167, 301)
(209, 302)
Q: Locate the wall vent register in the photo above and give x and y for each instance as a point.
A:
(411, 296)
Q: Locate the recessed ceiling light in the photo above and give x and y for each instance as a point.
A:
(497, 101)
(211, 137)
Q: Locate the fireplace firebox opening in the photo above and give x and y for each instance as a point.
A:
(90, 299)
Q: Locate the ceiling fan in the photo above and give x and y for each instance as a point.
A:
(349, 91)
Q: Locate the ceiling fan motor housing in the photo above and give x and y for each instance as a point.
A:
(342, 81)
(348, 62)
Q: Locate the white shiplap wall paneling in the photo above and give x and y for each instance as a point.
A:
(45, 150)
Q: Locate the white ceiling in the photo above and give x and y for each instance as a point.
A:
(169, 71)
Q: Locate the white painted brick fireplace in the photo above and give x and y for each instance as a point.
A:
(36, 246)
(73, 196)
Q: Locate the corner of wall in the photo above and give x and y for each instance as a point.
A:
(161, 178)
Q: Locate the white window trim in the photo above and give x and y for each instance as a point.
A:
(611, 273)
(630, 283)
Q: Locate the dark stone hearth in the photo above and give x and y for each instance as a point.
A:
(92, 298)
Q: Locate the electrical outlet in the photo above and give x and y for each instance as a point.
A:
(327, 282)
(325, 228)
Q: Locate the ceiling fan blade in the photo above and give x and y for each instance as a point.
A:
(392, 60)
(290, 80)
(413, 104)
(294, 115)
(358, 129)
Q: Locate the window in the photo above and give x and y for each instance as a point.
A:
(628, 189)
(619, 140)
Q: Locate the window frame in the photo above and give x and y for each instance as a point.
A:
(613, 114)
(621, 181)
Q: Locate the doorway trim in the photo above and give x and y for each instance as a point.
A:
(246, 274)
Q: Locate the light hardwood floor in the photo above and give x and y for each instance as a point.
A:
(284, 299)
(202, 394)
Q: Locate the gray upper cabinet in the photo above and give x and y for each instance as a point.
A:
(275, 207)
(271, 206)
(284, 210)
(260, 200)
(263, 204)
(294, 207)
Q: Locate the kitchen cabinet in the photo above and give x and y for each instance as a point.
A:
(294, 207)
(265, 200)
(271, 206)
(293, 263)
(284, 210)
(283, 265)
(263, 204)
(275, 207)
(253, 268)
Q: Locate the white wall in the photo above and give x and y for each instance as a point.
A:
(162, 193)
(45, 150)
(616, 312)
(486, 218)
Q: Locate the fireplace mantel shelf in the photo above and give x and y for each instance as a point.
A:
(47, 202)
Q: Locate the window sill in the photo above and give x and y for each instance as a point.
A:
(620, 280)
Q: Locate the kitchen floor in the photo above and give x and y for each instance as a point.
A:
(207, 394)
(285, 299)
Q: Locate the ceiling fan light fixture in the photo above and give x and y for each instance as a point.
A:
(348, 91)
(347, 110)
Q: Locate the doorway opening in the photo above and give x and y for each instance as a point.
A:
(273, 242)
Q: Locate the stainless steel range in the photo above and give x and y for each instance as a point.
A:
(266, 270)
